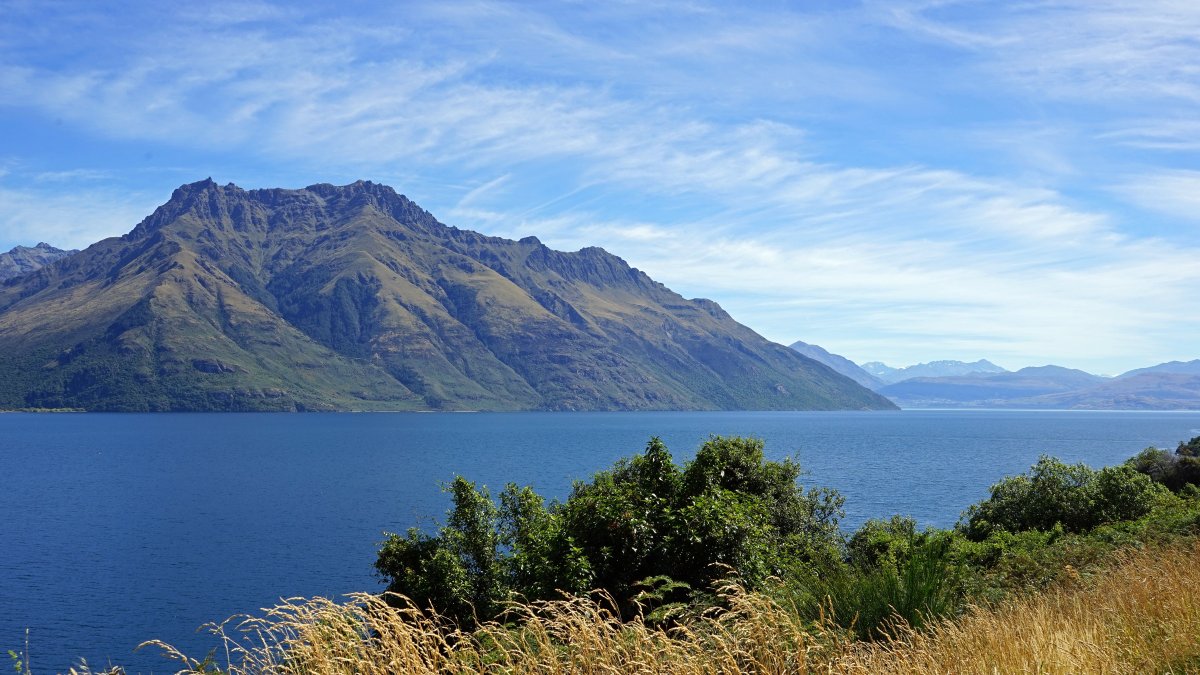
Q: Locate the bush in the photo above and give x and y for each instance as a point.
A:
(728, 511)
(1073, 497)
(1176, 471)
(919, 586)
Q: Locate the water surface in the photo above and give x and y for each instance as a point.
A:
(121, 528)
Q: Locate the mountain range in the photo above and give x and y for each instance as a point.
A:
(840, 364)
(355, 298)
(25, 259)
(982, 384)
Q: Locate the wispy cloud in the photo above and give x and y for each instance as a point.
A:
(882, 178)
(1175, 193)
(74, 220)
(1091, 49)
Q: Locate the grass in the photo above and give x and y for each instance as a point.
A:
(1140, 614)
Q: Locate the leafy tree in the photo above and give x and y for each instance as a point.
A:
(879, 542)
(542, 558)
(1072, 496)
(458, 571)
(1189, 449)
(727, 511)
(1174, 471)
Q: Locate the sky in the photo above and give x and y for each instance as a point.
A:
(896, 181)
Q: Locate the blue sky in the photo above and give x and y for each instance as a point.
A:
(896, 181)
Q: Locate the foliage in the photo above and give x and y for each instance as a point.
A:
(1054, 494)
(913, 585)
(878, 542)
(1140, 614)
(728, 511)
(1095, 591)
(1177, 471)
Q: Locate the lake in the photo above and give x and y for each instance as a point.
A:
(121, 528)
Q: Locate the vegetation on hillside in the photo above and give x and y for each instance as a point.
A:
(1139, 614)
(725, 564)
(354, 298)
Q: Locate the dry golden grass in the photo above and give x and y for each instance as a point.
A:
(1142, 615)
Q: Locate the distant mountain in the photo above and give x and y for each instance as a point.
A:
(1171, 367)
(24, 259)
(840, 364)
(889, 375)
(1143, 391)
(353, 297)
(1168, 386)
(988, 389)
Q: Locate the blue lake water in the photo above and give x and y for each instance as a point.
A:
(115, 529)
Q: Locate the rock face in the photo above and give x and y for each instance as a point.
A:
(24, 259)
(354, 297)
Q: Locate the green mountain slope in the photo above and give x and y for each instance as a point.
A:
(355, 298)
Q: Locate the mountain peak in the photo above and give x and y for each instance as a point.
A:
(354, 297)
(25, 259)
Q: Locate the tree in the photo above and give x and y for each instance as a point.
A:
(727, 511)
(459, 571)
(1174, 471)
(1072, 496)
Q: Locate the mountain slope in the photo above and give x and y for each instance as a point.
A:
(1171, 367)
(1143, 391)
(24, 259)
(839, 363)
(355, 298)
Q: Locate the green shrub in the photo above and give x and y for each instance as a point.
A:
(727, 512)
(922, 585)
(1177, 471)
(1073, 497)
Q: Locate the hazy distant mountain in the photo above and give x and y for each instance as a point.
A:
(987, 389)
(840, 364)
(1168, 386)
(1144, 391)
(24, 259)
(1171, 367)
(877, 369)
(889, 375)
(355, 298)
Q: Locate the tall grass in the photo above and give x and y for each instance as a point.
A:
(1141, 615)
(921, 588)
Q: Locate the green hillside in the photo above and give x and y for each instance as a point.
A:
(342, 298)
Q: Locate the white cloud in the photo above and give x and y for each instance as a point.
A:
(695, 142)
(68, 220)
(1088, 49)
(1175, 193)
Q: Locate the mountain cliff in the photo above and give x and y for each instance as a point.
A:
(354, 297)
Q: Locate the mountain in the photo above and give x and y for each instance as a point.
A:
(353, 297)
(1171, 367)
(24, 259)
(889, 375)
(839, 364)
(982, 390)
(1143, 391)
